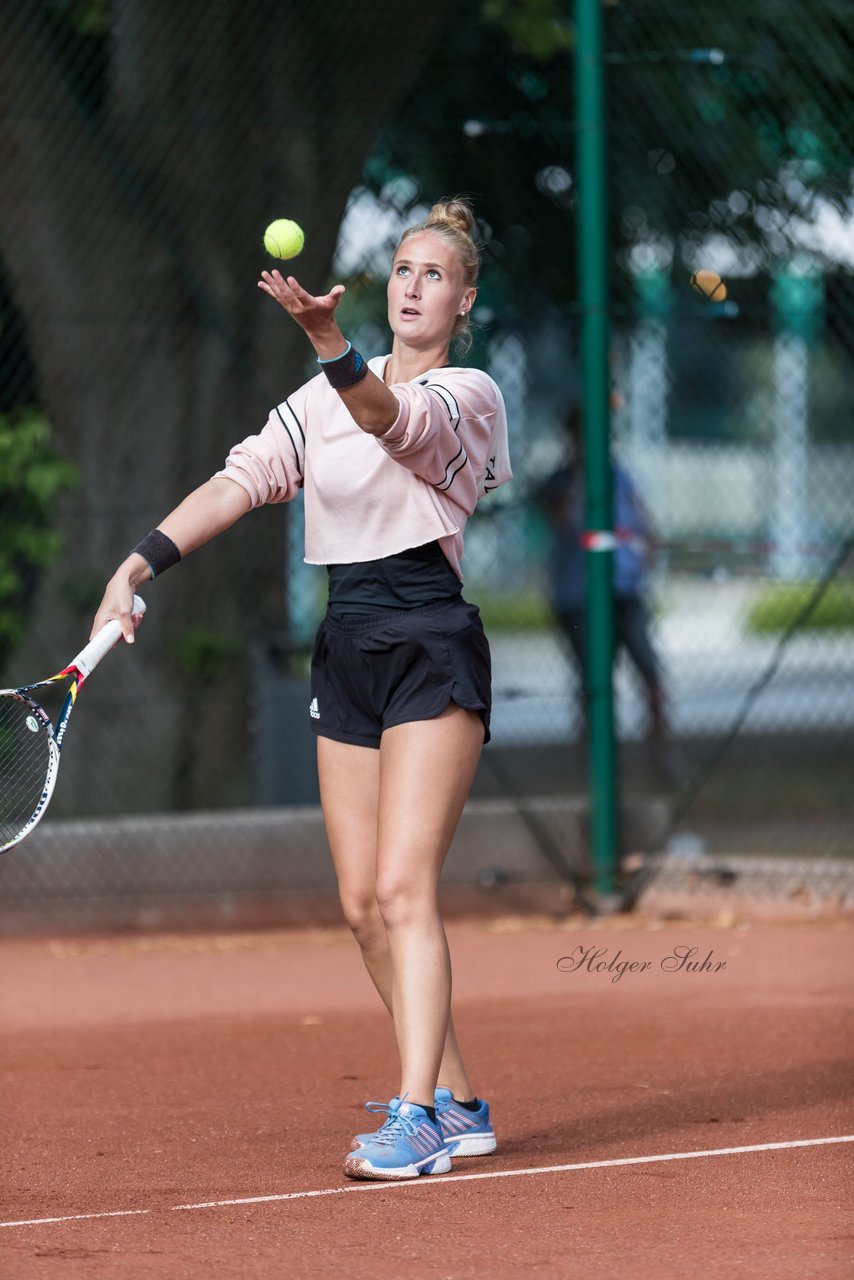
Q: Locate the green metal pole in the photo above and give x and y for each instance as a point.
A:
(595, 393)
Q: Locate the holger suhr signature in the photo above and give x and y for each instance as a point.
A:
(681, 959)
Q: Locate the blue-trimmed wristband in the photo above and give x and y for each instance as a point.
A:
(345, 370)
(158, 551)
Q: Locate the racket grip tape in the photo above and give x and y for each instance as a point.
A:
(101, 644)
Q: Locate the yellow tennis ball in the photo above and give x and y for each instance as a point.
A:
(710, 285)
(283, 238)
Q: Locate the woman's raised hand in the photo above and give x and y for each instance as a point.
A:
(314, 315)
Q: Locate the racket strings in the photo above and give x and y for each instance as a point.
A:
(25, 764)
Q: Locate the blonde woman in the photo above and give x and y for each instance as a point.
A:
(393, 455)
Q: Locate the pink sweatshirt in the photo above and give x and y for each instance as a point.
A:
(371, 496)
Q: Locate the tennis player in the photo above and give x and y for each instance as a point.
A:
(393, 455)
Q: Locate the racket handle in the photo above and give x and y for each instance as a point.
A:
(101, 644)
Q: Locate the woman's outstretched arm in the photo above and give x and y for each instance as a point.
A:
(209, 510)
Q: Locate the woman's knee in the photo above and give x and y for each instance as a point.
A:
(362, 913)
(401, 902)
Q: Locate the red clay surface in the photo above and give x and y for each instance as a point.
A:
(142, 1074)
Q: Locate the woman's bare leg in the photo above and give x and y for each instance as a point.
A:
(349, 788)
(426, 771)
(349, 795)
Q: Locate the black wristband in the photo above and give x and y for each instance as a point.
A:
(158, 551)
(345, 371)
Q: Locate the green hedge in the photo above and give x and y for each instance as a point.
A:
(779, 606)
(523, 611)
(32, 476)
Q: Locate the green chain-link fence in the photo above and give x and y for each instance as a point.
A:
(144, 148)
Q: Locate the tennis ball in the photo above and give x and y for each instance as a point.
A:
(710, 285)
(283, 238)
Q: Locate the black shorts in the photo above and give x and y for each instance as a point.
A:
(369, 673)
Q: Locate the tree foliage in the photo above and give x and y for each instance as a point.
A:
(145, 147)
(146, 144)
(741, 153)
(32, 476)
(537, 29)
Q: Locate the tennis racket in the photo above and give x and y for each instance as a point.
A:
(30, 744)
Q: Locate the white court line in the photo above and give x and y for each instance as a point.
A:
(76, 1217)
(446, 1178)
(519, 1173)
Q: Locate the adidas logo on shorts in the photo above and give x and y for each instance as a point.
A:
(313, 710)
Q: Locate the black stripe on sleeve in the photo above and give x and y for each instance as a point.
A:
(449, 401)
(296, 421)
(297, 440)
(452, 471)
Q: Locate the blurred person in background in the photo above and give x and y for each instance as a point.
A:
(562, 500)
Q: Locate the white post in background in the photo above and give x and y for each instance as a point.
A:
(647, 391)
(790, 519)
(300, 580)
(796, 296)
(507, 363)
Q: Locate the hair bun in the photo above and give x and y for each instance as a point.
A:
(456, 213)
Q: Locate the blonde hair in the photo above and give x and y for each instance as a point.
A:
(454, 221)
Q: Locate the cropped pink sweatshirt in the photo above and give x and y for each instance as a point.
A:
(369, 496)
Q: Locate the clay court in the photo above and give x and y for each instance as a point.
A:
(180, 1105)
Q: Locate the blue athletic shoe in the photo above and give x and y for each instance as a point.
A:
(405, 1146)
(362, 1139)
(466, 1133)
